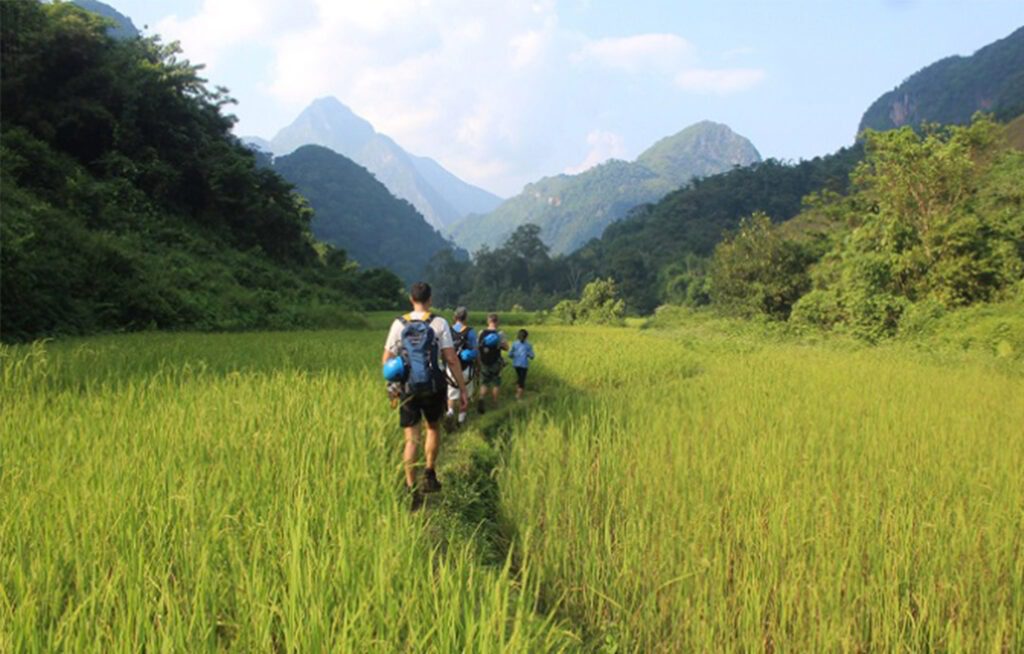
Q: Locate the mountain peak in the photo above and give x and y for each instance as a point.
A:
(439, 195)
(698, 150)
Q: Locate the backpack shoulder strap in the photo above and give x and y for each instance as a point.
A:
(407, 318)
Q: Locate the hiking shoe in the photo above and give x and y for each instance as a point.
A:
(430, 482)
(416, 499)
(480, 408)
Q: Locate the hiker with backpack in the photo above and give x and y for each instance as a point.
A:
(492, 342)
(521, 355)
(465, 343)
(411, 358)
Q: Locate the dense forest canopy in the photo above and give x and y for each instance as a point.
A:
(129, 204)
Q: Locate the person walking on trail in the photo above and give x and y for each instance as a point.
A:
(413, 346)
(521, 355)
(491, 344)
(465, 343)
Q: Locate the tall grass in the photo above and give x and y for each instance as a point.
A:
(686, 489)
(778, 497)
(189, 493)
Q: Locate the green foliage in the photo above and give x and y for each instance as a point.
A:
(519, 272)
(935, 219)
(757, 271)
(129, 205)
(599, 304)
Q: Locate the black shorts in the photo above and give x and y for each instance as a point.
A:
(521, 377)
(412, 410)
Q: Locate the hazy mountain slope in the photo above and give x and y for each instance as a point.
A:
(463, 197)
(441, 197)
(357, 213)
(949, 91)
(123, 26)
(572, 209)
(256, 142)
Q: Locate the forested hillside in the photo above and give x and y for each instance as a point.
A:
(356, 213)
(572, 209)
(658, 254)
(951, 90)
(127, 203)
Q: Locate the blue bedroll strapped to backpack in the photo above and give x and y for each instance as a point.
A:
(419, 349)
(490, 347)
(461, 340)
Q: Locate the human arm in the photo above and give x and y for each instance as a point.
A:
(392, 342)
(455, 368)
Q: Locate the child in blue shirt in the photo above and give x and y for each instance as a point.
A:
(521, 353)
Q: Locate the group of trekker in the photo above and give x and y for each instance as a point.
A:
(433, 371)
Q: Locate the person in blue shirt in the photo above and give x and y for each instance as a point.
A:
(521, 355)
(465, 343)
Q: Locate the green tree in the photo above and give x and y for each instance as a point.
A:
(758, 271)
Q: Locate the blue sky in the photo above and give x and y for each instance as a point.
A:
(504, 92)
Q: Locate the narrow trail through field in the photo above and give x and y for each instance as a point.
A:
(469, 508)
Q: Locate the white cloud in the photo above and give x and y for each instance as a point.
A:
(604, 145)
(719, 81)
(636, 53)
(221, 25)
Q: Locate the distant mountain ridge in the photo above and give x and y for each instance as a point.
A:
(951, 90)
(357, 213)
(572, 209)
(438, 194)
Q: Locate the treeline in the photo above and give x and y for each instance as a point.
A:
(934, 221)
(128, 204)
(658, 254)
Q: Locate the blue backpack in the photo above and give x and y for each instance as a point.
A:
(424, 378)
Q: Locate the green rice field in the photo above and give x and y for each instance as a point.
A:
(670, 489)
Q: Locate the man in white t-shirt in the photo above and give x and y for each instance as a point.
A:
(431, 408)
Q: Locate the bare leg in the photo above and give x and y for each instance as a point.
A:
(412, 439)
(432, 445)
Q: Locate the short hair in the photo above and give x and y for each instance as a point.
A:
(420, 292)
(492, 317)
(523, 334)
(461, 314)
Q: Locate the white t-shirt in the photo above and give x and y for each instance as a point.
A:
(440, 326)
